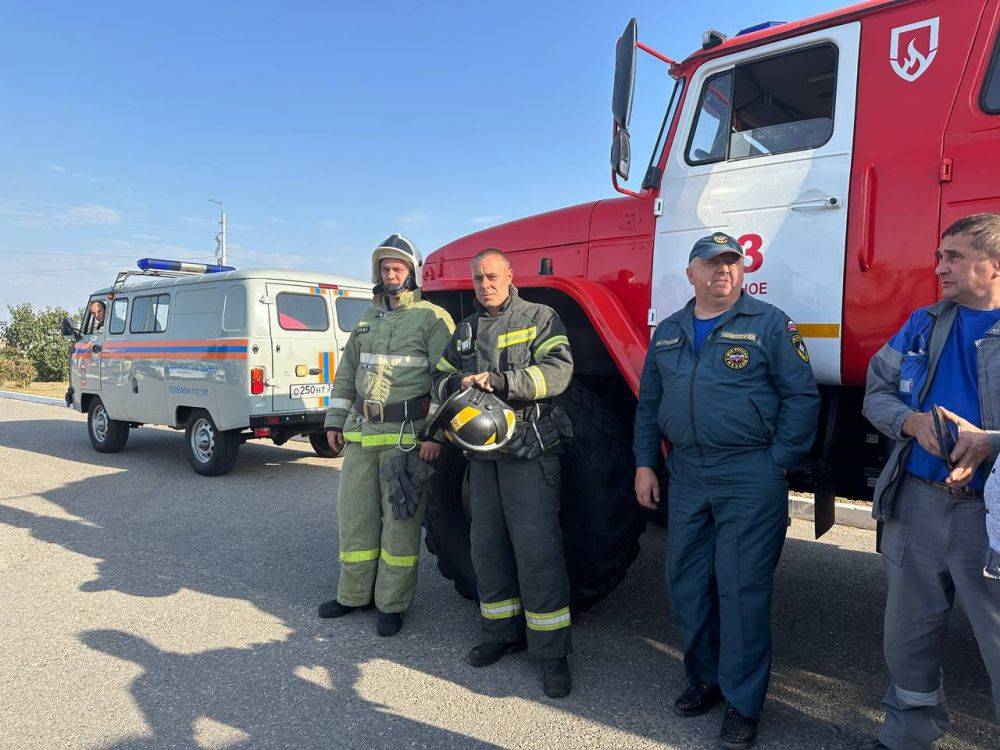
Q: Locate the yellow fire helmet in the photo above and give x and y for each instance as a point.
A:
(473, 420)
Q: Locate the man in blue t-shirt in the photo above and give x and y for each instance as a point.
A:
(929, 497)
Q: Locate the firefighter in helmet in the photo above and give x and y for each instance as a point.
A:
(518, 350)
(380, 399)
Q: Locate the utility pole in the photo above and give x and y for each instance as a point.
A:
(220, 238)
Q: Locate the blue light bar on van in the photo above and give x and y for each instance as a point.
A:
(158, 264)
(759, 27)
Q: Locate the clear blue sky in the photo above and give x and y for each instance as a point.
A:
(323, 126)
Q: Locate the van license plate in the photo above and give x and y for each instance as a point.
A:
(310, 390)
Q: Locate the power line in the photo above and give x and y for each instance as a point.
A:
(59, 270)
(91, 255)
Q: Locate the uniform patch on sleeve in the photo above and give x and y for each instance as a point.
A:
(736, 357)
(791, 327)
(666, 342)
(362, 328)
(738, 335)
(800, 347)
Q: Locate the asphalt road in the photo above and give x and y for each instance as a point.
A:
(144, 606)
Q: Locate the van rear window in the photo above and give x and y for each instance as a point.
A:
(349, 311)
(302, 312)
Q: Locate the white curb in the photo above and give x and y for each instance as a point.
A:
(50, 400)
(845, 514)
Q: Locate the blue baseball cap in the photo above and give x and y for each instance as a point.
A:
(715, 244)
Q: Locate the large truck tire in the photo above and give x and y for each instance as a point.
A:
(107, 435)
(211, 451)
(600, 518)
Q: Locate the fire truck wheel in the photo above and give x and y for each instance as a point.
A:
(600, 518)
(107, 435)
(319, 443)
(211, 451)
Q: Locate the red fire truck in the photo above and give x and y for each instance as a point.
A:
(835, 149)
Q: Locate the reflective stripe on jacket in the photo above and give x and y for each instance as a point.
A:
(524, 347)
(390, 357)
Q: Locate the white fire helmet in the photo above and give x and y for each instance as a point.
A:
(397, 246)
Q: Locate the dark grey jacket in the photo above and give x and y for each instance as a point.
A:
(524, 348)
(899, 376)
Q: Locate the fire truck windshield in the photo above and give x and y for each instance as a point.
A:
(653, 172)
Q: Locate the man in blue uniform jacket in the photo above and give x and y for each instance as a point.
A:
(727, 382)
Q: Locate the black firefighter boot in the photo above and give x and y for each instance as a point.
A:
(556, 680)
(486, 653)
(333, 608)
(389, 623)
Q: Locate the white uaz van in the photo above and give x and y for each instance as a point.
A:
(226, 355)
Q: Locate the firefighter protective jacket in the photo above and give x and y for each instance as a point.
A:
(389, 358)
(524, 348)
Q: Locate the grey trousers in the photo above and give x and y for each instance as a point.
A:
(934, 548)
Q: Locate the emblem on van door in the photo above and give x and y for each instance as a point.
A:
(912, 48)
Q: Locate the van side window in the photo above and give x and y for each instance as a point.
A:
(149, 314)
(772, 106)
(302, 312)
(90, 326)
(234, 311)
(119, 309)
(989, 99)
(349, 312)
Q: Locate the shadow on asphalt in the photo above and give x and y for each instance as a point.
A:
(266, 534)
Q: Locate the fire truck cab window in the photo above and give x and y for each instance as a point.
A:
(990, 98)
(711, 125)
(771, 106)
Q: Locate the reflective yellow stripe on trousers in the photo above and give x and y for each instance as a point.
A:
(361, 555)
(398, 561)
(500, 610)
(547, 620)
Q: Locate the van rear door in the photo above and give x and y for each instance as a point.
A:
(303, 346)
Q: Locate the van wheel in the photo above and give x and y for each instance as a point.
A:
(600, 518)
(318, 441)
(211, 451)
(107, 435)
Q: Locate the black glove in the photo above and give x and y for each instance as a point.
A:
(532, 438)
(404, 475)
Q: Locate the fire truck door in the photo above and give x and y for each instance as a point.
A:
(764, 153)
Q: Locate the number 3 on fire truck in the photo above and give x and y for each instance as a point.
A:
(752, 244)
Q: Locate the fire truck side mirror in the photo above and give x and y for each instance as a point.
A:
(621, 100)
(69, 330)
(621, 153)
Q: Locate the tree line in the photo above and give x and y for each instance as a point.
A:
(33, 348)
